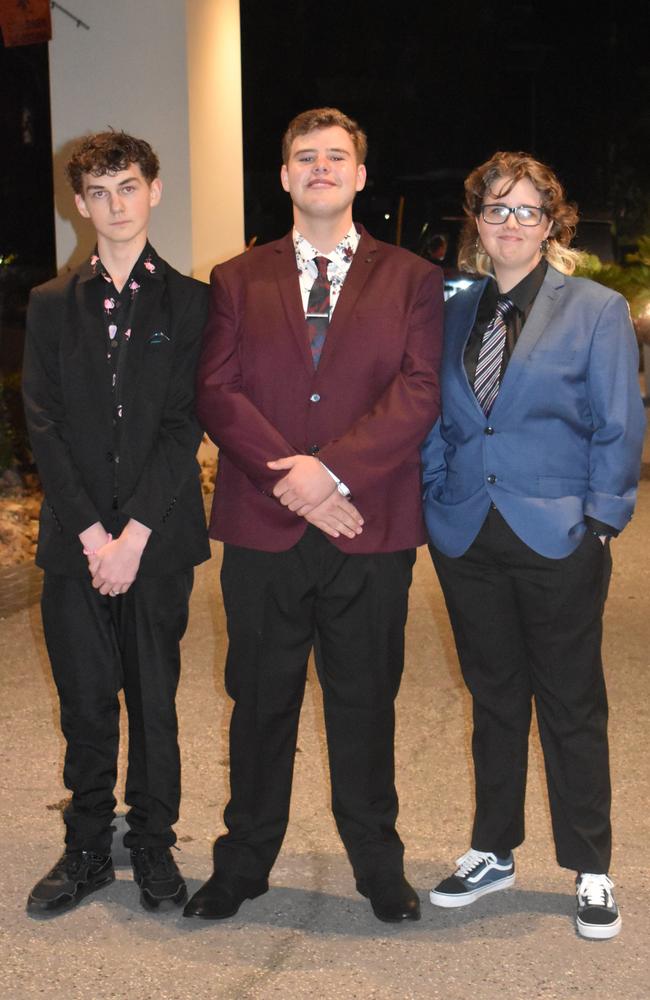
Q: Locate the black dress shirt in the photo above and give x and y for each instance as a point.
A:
(522, 296)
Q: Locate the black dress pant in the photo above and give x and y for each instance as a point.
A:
(530, 627)
(354, 608)
(98, 645)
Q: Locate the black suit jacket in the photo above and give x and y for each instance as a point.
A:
(68, 405)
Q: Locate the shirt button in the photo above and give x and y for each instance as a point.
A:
(489, 430)
(491, 478)
(314, 398)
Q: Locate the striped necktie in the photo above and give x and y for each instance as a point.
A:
(488, 366)
(318, 310)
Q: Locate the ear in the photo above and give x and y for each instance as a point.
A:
(361, 177)
(284, 177)
(155, 191)
(80, 202)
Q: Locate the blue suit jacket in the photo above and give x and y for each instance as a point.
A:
(565, 434)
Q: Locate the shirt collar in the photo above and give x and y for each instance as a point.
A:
(148, 265)
(341, 256)
(521, 295)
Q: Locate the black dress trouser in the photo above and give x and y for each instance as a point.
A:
(354, 607)
(97, 646)
(530, 627)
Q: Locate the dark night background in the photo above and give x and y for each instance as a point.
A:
(437, 86)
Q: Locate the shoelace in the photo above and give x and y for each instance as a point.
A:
(158, 863)
(471, 860)
(72, 864)
(594, 890)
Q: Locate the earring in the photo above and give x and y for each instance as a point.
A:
(478, 246)
(543, 247)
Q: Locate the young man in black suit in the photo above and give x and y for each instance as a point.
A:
(109, 366)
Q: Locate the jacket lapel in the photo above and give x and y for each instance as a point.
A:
(463, 326)
(151, 330)
(92, 343)
(537, 322)
(360, 270)
(286, 274)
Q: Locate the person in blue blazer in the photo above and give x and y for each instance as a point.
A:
(529, 472)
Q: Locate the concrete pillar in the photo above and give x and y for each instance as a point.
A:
(168, 71)
(216, 156)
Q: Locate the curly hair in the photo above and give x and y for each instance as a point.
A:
(511, 168)
(108, 153)
(307, 121)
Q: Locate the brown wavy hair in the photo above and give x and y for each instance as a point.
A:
(513, 167)
(108, 153)
(307, 121)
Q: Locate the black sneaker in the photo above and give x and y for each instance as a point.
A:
(478, 873)
(157, 874)
(76, 874)
(598, 915)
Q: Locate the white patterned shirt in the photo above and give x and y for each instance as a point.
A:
(340, 259)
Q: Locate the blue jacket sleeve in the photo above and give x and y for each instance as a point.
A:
(618, 417)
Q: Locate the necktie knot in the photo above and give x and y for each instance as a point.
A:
(322, 264)
(503, 308)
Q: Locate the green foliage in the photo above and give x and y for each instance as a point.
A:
(642, 256)
(631, 280)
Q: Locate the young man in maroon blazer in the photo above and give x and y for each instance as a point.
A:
(318, 382)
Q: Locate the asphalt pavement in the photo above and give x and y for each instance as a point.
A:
(312, 935)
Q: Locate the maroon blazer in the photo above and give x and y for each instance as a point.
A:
(364, 411)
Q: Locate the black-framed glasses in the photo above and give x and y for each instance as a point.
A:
(526, 215)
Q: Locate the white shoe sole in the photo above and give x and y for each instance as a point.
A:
(599, 932)
(450, 900)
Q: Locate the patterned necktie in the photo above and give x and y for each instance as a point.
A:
(318, 310)
(488, 366)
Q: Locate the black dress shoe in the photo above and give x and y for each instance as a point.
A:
(75, 874)
(157, 874)
(223, 894)
(391, 897)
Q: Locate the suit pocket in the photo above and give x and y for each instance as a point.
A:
(554, 487)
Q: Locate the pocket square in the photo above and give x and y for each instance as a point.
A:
(158, 337)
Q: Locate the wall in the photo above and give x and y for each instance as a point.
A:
(216, 156)
(130, 71)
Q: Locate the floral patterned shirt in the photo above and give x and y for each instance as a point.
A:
(118, 310)
(339, 264)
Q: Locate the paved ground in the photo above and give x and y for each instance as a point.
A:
(312, 935)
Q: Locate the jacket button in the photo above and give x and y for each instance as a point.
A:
(314, 398)
(109, 456)
(314, 449)
(491, 478)
(489, 430)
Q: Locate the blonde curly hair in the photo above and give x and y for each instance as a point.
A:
(511, 168)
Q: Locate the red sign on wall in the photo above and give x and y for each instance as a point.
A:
(25, 22)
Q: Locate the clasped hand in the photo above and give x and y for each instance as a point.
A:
(114, 563)
(310, 491)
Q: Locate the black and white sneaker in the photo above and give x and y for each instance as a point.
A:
(75, 874)
(478, 873)
(598, 915)
(157, 874)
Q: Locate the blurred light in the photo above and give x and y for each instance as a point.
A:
(387, 216)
